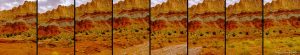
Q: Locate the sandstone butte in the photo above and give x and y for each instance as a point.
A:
(130, 5)
(171, 6)
(58, 15)
(22, 11)
(275, 6)
(281, 5)
(207, 7)
(93, 7)
(244, 6)
(28, 8)
(65, 12)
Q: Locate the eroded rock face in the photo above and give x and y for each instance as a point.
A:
(221, 23)
(231, 25)
(84, 25)
(295, 21)
(46, 31)
(194, 25)
(158, 25)
(257, 23)
(121, 22)
(268, 23)
(61, 20)
(169, 7)
(13, 28)
(25, 10)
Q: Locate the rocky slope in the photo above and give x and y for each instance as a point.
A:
(60, 12)
(18, 21)
(282, 26)
(94, 28)
(55, 31)
(169, 7)
(206, 9)
(131, 27)
(24, 10)
(206, 28)
(17, 30)
(168, 27)
(244, 27)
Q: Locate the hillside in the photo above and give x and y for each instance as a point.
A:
(131, 27)
(282, 5)
(243, 8)
(282, 26)
(206, 28)
(244, 25)
(27, 9)
(169, 8)
(17, 30)
(168, 27)
(55, 31)
(19, 20)
(65, 12)
(207, 8)
(130, 5)
(94, 7)
(93, 28)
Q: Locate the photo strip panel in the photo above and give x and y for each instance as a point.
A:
(56, 27)
(244, 27)
(206, 27)
(131, 27)
(282, 27)
(18, 27)
(168, 27)
(93, 27)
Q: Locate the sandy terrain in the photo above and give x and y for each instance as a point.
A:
(142, 49)
(17, 47)
(180, 49)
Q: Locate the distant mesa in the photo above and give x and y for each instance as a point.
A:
(60, 12)
(168, 7)
(243, 7)
(130, 5)
(207, 7)
(28, 8)
(94, 7)
(281, 5)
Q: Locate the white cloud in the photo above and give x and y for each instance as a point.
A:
(194, 2)
(231, 2)
(267, 1)
(66, 2)
(30, 0)
(43, 5)
(9, 4)
(47, 5)
(80, 2)
(116, 1)
(156, 2)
